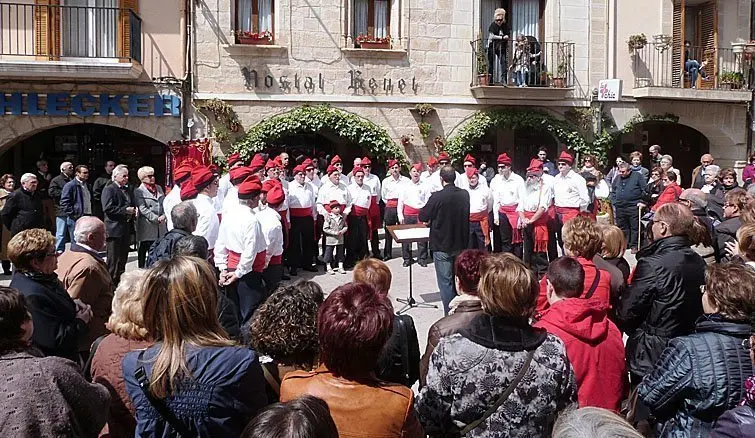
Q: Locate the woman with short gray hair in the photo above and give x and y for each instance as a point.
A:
(151, 222)
(592, 422)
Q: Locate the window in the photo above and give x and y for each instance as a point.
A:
(372, 19)
(254, 16)
(524, 17)
(90, 28)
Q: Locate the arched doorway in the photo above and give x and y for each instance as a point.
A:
(520, 144)
(683, 143)
(88, 144)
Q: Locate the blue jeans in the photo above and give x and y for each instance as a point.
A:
(693, 69)
(64, 227)
(444, 274)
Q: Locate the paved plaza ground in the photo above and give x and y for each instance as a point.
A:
(425, 288)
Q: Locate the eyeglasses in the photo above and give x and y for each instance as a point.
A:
(728, 205)
(561, 163)
(468, 165)
(216, 182)
(747, 344)
(499, 19)
(367, 167)
(703, 289)
(149, 176)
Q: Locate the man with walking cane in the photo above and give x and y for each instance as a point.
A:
(626, 197)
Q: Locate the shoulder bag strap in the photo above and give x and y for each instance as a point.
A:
(159, 405)
(88, 364)
(405, 359)
(594, 285)
(274, 384)
(506, 394)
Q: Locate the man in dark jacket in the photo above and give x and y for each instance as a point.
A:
(447, 212)
(55, 190)
(75, 202)
(48, 207)
(184, 219)
(23, 208)
(726, 231)
(119, 210)
(98, 186)
(627, 193)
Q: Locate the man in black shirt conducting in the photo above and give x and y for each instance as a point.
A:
(447, 212)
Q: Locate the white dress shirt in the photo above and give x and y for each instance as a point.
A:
(505, 192)
(414, 195)
(224, 184)
(302, 196)
(479, 199)
(207, 223)
(392, 187)
(171, 200)
(316, 182)
(231, 200)
(373, 183)
(436, 185)
(330, 192)
(241, 233)
(532, 198)
(360, 195)
(425, 175)
(462, 181)
(570, 191)
(272, 229)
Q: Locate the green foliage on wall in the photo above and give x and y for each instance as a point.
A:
(611, 134)
(312, 119)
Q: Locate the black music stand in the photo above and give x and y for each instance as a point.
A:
(409, 302)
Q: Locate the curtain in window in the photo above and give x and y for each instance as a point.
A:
(487, 9)
(89, 29)
(105, 28)
(361, 17)
(266, 15)
(525, 18)
(381, 18)
(244, 16)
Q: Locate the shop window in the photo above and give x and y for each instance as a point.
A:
(372, 23)
(255, 17)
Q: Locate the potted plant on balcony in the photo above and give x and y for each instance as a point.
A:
(368, 42)
(254, 38)
(558, 80)
(637, 42)
(731, 80)
(482, 67)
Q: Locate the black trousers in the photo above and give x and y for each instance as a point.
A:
(117, 256)
(142, 253)
(272, 276)
(554, 230)
(627, 218)
(406, 248)
(302, 245)
(476, 236)
(328, 258)
(497, 242)
(251, 294)
(390, 218)
(537, 261)
(356, 238)
(506, 231)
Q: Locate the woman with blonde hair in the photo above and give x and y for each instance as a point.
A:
(128, 333)
(614, 246)
(498, 42)
(151, 223)
(200, 381)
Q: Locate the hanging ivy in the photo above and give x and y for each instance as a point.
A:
(510, 118)
(312, 119)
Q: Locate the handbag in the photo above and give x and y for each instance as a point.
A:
(506, 394)
(92, 351)
(162, 409)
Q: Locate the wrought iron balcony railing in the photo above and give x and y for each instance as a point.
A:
(531, 64)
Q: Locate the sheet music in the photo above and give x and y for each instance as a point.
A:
(413, 233)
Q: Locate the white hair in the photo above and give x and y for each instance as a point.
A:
(668, 158)
(712, 170)
(119, 169)
(27, 176)
(84, 227)
(143, 171)
(65, 164)
(592, 422)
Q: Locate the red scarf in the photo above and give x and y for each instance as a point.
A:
(152, 188)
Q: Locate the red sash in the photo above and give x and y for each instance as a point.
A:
(373, 220)
(551, 211)
(276, 260)
(233, 260)
(359, 211)
(540, 230)
(391, 203)
(482, 218)
(410, 211)
(220, 217)
(567, 213)
(301, 212)
(259, 261)
(513, 217)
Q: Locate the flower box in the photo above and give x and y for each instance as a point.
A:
(254, 38)
(254, 41)
(375, 45)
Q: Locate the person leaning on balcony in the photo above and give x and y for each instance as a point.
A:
(692, 66)
(498, 37)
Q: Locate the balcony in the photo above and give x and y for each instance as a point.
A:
(79, 42)
(547, 75)
(671, 71)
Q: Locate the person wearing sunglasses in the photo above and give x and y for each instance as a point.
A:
(569, 195)
(498, 41)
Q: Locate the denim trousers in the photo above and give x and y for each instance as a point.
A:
(64, 227)
(444, 274)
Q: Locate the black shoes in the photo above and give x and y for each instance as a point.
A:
(407, 263)
(310, 268)
(292, 272)
(423, 263)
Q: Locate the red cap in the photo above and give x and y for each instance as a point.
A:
(278, 162)
(234, 158)
(299, 168)
(443, 157)
(258, 163)
(536, 167)
(470, 159)
(335, 160)
(504, 159)
(366, 161)
(333, 203)
(201, 177)
(417, 166)
(308, 163)
(470, 171)
(566, 157)
(331, 169)
(357, 169)
(188, 191)
(182, 173)
(239, 174)
(250, 187)
(432, 161)
(391, 163)
(274, 190)
(214, 169)
(270, 164)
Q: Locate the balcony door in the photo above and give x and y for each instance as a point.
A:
(695, 21)
(89, 29)
(524, 17)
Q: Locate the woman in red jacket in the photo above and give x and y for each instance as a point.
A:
(670, 192)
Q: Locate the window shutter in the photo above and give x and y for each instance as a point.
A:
(46, 29)
(707, 23)
(677, 48)
(124, 27)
